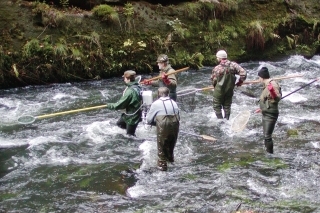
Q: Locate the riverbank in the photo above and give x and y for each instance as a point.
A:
(44, 44)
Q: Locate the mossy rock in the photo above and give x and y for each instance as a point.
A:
(292, 132)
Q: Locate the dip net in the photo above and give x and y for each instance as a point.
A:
(186, 100)
(240, 121)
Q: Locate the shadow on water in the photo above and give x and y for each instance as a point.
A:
(6, 162)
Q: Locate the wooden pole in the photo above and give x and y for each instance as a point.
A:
(170, 73)
(278, 78)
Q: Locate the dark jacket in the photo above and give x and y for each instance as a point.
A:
(267, 103)
(131, 101)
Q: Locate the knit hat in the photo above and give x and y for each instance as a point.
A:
(264, 73)
(221, 54)
(129, 73)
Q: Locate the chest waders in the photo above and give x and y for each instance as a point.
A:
(270, 113)
(223, 93)
(268, 122)
(167, 135)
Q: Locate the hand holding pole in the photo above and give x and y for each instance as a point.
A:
(170, 73)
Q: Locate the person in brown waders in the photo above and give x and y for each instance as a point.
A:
(164, 114)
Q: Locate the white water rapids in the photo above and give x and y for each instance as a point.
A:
(82, 162)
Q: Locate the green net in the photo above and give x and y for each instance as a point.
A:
(26, 119)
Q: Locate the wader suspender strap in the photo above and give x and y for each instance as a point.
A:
(172, 108)
(166, 108)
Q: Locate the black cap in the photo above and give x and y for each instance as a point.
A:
(264, 73)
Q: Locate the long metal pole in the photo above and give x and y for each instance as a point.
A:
(300, 88)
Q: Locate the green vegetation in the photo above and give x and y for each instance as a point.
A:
(106, 13)
(71, 45)
(64, 3)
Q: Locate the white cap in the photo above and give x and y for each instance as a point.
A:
(221, 54)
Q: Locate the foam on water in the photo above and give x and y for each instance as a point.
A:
(149, 155)
(10, 143)
(60, 96)
(34, 142)
(294, 97)
(96, 132)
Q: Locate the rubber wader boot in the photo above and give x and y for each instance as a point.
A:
(162, 165)
(269, 146)
(219, 115)
(227, 116)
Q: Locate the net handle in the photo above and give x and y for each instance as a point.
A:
(32, 118)
(189, 91)
(70, 111)
(278, 78)
(170, 73)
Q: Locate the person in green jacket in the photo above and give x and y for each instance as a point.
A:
(131, 101)
(224, 79)
(167, 80)
(269, 99)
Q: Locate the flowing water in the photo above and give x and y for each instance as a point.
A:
(82, 162)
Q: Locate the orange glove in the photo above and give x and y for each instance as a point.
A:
(165, 79)
(239, 83)
(146, 82)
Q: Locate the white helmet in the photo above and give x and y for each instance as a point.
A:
(221, 54)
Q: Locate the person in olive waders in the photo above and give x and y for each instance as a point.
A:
(224, 79)
(164, 113)
(269, 99)
(167, 80)
(131, 101)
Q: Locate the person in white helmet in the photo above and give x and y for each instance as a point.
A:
(223, 79)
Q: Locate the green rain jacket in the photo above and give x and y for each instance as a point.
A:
(267, 103)
(130, 101)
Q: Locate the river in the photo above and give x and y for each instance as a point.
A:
(82, 162)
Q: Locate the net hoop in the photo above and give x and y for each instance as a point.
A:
(26, 119)
(240, 121)
(186, 100)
